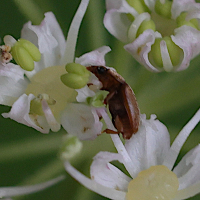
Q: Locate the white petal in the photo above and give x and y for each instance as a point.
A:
(141, 47)
(20, 113)
(94, 186)
(107, 174)
(12, 71)
(116, 20)
(53, 124)
(73, 33)
(149, 145)
(95, 57)
(48, 37)
(21, 190)
(136, 24)
(12, 83)
(179, 6)
(167, 64)
(190, 159)
(188, 39)
(128, 163)
(176, 146)
(82, 121)
(188, 192)
(188, 168)
(84, 93)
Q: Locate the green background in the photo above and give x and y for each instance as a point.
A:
(29, 157)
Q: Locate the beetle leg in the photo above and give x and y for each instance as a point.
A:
(109, 131)
(108, 97)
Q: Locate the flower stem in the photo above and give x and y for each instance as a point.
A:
(30, 10)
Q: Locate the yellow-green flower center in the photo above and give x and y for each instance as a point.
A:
(155, 183)
(47, 81)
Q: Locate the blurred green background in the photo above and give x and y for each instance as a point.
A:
(29, 157)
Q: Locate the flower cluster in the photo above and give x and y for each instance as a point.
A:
(48, 88)
(161, 35)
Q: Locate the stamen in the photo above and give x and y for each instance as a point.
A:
(5, 55)
(54, 125)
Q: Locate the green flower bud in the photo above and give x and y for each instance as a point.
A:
(163, 9)
(146, 24)
(98, 99)
(74, 81)
(182, 21)
(175, 52)
(138, 5)
(155, 54)
(25, 53)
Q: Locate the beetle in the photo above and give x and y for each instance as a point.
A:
(120, 99)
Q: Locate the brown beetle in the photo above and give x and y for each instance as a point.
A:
(121, 101)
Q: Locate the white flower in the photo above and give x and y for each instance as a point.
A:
(22, 190)
(161, 35)
(149, 160)
(39, 98)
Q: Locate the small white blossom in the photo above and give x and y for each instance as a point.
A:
(38, 98)
(143, 156)
(161, 35)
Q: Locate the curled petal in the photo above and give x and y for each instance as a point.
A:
(180, 6)
(187, 169)
(54, 125)
(141, 47)
(12, 83)
(188, 192)
(94, 186)
(167, 64)
(95, 57)
(116, 20)
(188, 39)
(107, 174)
(82, 121)
(15, 191)
(48, 37)
(20, 113)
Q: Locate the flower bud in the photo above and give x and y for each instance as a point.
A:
(146, 24)
(138, 5)
(175, 52)
(163, 9)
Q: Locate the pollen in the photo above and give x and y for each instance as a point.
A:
(155, 183)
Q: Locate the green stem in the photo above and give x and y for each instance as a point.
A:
(29, 148)
(30, 10)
